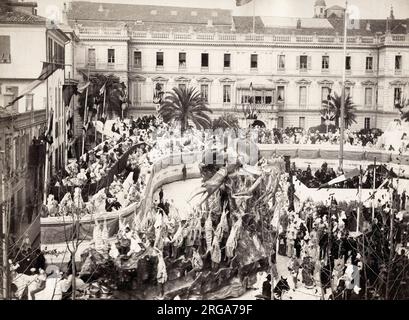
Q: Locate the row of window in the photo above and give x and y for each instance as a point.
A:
(368, 100)
(303, 61)
(267, 96)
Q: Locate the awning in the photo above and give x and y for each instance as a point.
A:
(259, 87)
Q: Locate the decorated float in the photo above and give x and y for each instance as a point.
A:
(228, 237)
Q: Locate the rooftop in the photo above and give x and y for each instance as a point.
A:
(188, 20)
(18, 17)
(146, 13)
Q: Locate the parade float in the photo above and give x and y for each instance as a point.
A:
(229, 236)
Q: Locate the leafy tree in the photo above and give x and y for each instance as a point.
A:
(187, 106)
(335, 108)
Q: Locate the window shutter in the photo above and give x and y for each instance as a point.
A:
(278, 62)
(309, 62)
(298, 62)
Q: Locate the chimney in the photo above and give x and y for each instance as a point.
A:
(368, 26)
(298, 23)
(209, 23)
(233, 26)
(388, 29)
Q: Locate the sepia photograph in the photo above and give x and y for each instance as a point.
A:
(222, 150)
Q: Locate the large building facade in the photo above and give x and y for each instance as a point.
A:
(289, 63)
(27, 41)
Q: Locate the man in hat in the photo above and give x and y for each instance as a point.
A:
(161, 195)
(266, 291)
(184, 172)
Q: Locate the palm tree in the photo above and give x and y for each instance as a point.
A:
(334, 107)
(185, 105)
(225, 121)
(115, 95)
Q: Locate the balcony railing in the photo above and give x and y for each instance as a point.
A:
(326, 39)
(238, 37)
(262, 107)
(304, 38)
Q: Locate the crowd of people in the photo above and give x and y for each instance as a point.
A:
(324, 254)
(301, 136)
(325, 174)
(318, 242)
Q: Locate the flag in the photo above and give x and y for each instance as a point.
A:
(251, 98)
(68, 90)
(48, 70)
(48, 136)
(341, 178)
(365, 176)
(102, 90)
(372, 196)
(240, 3)
(83, 87)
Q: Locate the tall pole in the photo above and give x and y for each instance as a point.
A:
(103, 114)
(254, 16)
(47, 164)
(391, 251)
(5, 232)
(358, 217)
(342, 113)
(373, 189)
(65, 125)
(85, 118)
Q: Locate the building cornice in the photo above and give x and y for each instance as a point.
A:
(325, 82)
(398, 82)
(368, 83)
(304, 82)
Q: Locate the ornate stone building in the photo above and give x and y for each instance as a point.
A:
(290, 63)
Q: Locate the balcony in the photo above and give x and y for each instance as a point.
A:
(116, 32)
(258, 107)
(103, 66)
(182, 66)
